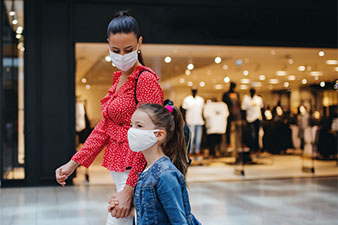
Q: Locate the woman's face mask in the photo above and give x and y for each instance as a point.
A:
(140, 140)
(124, 62)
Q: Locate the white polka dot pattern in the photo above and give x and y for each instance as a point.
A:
(117, 109)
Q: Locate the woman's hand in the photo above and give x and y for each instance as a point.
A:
(63, 172)
(124, 199)
(113, 202)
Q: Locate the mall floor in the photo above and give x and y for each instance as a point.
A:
(298, 201)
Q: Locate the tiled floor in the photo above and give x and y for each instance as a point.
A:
(299, 201)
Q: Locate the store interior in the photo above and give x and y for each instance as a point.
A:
(283, 77)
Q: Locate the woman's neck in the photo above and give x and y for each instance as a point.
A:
(153, 154)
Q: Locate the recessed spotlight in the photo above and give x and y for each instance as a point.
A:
(273, 52)
(316, 73)
(322, 84)
(190, 66)
(286, 84)
(290, 61)
(190, 83)
(245, 73)
(292, 77)
(239, 62)
(218, 60)
(202, 83)
(15, 21)
(331, 62)
(256, 84)
(243, 87)
(336, 69)
(308, 68)
(12, 13)
(262, 77)
(84, 80)
(301, 68)
(281, 73)
(182, 80)
(274, 81)
(304, 81)
(18, 36)
(321, 53)
(19, 30)
(226, 79)
(88, 87)
(113, 64)
(316, 78)
(225, 67)
(187, 72)
(218, 86)
(107, 58)
(245, 81)
(167, 59)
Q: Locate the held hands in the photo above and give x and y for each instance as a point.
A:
(63, 172)
(120, 204)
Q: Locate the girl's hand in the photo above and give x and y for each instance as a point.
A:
(63, 172)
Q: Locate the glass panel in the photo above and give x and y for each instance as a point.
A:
(13, 154)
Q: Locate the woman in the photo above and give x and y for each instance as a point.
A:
(117, 107)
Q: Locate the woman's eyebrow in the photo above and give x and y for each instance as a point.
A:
(130, 46)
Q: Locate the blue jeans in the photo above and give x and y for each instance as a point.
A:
(196, 137)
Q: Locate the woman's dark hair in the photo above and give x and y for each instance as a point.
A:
(125, 23)
(174, 146)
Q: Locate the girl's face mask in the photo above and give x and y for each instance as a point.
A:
(140, 140)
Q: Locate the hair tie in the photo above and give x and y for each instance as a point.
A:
(170, 108)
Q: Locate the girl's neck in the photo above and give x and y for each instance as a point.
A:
(127, 73)
(152, 155)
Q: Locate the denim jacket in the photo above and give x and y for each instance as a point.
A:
(161, 196)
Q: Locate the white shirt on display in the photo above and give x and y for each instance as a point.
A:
(216, 114)
(194, 107)
(253, 107)
(80, 117)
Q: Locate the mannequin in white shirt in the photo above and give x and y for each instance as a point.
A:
(253, 105)
(193, 104)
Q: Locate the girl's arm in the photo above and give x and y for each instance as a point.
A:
(171, 197)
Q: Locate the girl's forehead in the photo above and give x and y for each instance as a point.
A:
(142, 116)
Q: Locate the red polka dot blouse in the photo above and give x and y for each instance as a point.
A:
(111, 132)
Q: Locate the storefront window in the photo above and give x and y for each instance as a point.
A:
(12, 91)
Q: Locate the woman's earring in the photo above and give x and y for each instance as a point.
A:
(139, 51)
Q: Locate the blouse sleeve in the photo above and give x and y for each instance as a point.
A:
(96, 141)
(148, 91)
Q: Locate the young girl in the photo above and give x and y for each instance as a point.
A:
(160, 195)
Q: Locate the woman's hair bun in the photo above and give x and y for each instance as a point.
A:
(122, 13)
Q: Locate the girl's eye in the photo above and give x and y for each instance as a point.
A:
(138, 126)
(116, 51)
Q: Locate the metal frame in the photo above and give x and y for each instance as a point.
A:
(1, 94)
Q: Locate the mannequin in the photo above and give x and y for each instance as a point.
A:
(193, 104)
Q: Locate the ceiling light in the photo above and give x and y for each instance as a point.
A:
(84, 80)
(15, 21)
(182, 80)
(218, 86)
(316, 78)
(218, 60)
(292, 77)
(190, 83)
(256, 84)
(273, 52)
(262, 77)
(239, 62)
(316, 73)
(286, 84)
(19, 30)
(336, 69)
(321, 53)
(107, 58)
(322, 84)
(245, 81)
(290, 61)
(18, 36)
(301, 68)
(281, 73)
(113, 64)
(309, 68)
(274, 81)
(304, 81)
(226, 79)
(225, 67)
(331, 62)
(202, 84)
(190, 66)
(87, 86)
(12, 13)
(167, 59)
(245, 73)
(243, 87)
(187, 72)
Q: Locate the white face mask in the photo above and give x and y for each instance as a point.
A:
(124, 62)
(140, 140)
